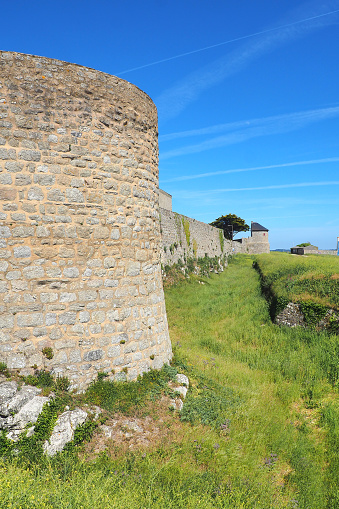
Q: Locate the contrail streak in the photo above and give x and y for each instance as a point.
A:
(254, 168)
(261, 188)
(181, 55)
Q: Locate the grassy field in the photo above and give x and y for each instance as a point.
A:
(312, 281)
(259, 429)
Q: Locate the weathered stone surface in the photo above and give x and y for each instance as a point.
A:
(63, 431)
(18, 408)
(291, 316)
(177, 403)
(182, 379)
(182, 390)
(79, 226)
(28, 414)
(7, 392)
(19, 400)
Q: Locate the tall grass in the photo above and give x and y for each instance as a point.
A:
(312, 278)
(260, 427)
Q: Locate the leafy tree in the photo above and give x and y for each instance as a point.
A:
(304, 244)
(231, 225)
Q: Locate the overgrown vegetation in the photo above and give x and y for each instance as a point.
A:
(259, 428)
(186, 226)
(310, 281)
(190, 269)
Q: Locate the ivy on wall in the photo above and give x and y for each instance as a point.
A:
(186, 226)
(222, 240)
(195, 248)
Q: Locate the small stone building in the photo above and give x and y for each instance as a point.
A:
(299, 250)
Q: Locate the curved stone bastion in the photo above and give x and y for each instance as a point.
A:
(80, 277)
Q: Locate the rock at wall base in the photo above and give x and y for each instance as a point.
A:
(63, 431)
(291, 316)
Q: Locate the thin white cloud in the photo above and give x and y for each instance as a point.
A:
(298, 118)
(254, 168)
(238, 132)
(197, 194)
(240, 38)
(173, 100)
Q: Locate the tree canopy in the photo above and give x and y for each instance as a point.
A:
(304, 244)
(231, 225)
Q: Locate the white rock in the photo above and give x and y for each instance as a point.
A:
(19, 399)
(177, 404)
(63, 431)
(29, 413)
(182, 379)
(181, 390)
(7, 392)
(107, 430)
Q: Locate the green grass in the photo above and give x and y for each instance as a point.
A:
(260, 428)
(312, 281)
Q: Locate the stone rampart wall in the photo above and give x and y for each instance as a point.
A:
(184, 237)
(252, 245)
(332, 252)
(80, 277)
(165, 200)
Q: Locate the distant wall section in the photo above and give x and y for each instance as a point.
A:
(258, 243)
(165, 200)
(183, 237)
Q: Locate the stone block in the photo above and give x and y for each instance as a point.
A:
(84, 316)
(14, 166)
(3, 287)
(67, 318)
(93, 355)
(55, 333)
(73, 195)
(71, 272)
(115, 234)
(5, 232)
(16, 361)
(23, 231)
(33, 272)
(21, 179)
(109, 262)
(42, 232)
(56, 195)
(94, 328)
(75, 356)
(22, 252)
(35, 193)
(6, 321)
(50, 319)
(114, 351)
(31, 320)
(101, 232)
(7, 194)
(30, 155)
(67, 297)
(87, 295)
(133, 268)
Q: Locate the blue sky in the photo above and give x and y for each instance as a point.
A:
(247, 95)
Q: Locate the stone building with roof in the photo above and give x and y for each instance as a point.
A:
(257, 243)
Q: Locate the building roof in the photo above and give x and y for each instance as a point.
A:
(256, 227)
(306, 247)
